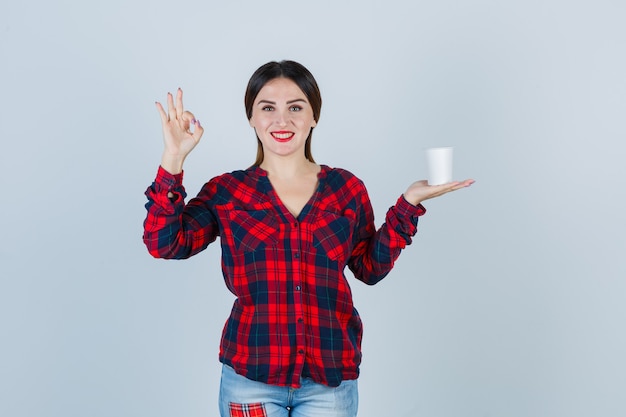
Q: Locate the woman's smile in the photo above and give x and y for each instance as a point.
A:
(282, 136)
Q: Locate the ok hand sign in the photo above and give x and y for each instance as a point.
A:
(177, 133)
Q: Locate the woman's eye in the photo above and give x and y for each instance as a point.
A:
(295, 108)
(268, 108)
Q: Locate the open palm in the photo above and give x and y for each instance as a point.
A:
(420, 190)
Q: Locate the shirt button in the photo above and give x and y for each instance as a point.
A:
(297, 255)
(300, 320)
(297, 288)
(301, 351)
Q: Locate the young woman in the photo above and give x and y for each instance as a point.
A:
(288, 227)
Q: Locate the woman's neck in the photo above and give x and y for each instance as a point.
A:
(289, 167)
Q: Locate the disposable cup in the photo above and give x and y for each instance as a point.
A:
(439, 161)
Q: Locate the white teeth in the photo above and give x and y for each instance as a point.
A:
(282, 135)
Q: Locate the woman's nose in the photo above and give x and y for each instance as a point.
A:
(282, 118)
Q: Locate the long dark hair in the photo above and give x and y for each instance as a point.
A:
(298, 74)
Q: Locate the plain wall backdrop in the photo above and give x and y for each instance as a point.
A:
(511, 300)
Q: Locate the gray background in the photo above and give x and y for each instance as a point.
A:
(509, 303)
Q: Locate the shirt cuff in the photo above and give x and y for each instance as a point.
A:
(168, 181)
(408, 209)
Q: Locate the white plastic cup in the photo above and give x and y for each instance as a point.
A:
(439, 161)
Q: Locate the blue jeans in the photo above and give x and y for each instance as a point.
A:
(240, 396)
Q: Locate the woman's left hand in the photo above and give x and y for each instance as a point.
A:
(420, 191)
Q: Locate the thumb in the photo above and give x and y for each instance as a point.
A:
(198, 130)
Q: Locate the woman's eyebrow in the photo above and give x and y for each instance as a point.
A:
(289, 102)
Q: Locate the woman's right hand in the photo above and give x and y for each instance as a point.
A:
(177, 134)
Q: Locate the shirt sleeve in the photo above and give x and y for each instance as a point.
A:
(376, 251)
(173, 229)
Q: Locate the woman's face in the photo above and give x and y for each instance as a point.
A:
(282, 118)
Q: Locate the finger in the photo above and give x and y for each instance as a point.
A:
(162, 113)
(187, 119)
(171, 110)
(197, 131)
(179, 104)
(457, 185)
(463, 184)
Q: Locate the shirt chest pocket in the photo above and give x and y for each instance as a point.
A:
(253, 229)
(332, 235)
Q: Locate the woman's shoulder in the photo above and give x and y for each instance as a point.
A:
(238, 176)
(340, 177)
(338, 172)
(246, 185)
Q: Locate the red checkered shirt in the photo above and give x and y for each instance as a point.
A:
(293, 314)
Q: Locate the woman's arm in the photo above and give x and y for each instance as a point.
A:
(171, 228)
(376, 251)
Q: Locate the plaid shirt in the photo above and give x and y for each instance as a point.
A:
(293, 315)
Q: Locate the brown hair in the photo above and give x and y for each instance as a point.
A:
(298, 74)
